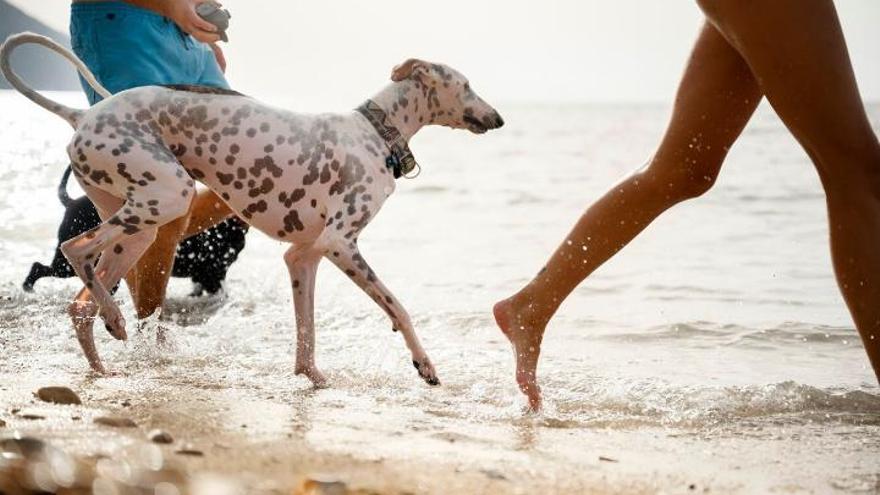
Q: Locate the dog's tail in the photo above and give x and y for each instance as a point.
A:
(71, 115)
(65, 199)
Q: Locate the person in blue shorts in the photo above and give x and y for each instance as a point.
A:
(139, 43)
(136, 43)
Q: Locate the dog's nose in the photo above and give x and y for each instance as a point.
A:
(499, 122)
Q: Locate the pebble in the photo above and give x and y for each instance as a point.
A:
(115, 422)
(32, 417)
(607, 459)
(2, 423)
(27, 447)
(494, 475)
(190, 452)
(162, 437)
(58, 395)
(322, 487)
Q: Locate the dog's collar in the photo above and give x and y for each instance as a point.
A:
(401, 162)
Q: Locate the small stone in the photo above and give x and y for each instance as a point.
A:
(190, 452)
(32, 417)
(58, 395)
(607, 459)
(27, 447)
(494, 475)
(115, 422)
(2, 423)
(325, 486)
(161, 437)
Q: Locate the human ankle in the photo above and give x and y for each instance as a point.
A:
(531, 310)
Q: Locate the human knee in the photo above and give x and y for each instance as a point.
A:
(850, 172)
(682, 182)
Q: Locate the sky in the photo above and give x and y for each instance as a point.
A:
(334, 54)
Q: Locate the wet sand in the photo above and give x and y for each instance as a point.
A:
(210, 455)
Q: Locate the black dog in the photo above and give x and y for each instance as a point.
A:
(205, 258)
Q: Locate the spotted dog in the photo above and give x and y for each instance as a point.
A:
(314, 181)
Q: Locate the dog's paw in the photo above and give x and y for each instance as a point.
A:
(427, 372)
(114, 323)
(314, 375)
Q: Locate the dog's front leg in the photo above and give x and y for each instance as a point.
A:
(347, 257)
(302, 263)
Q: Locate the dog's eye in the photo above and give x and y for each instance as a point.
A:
(467, 87)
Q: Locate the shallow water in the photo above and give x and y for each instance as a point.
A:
(715, 351)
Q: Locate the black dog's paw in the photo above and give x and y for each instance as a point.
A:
(197, 290)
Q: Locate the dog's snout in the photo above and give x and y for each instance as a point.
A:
(499, 122)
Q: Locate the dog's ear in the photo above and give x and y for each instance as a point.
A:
(409, 68)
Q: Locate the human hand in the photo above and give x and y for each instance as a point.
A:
(183, 13)
(218, 54)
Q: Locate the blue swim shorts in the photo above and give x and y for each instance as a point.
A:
(127, 47)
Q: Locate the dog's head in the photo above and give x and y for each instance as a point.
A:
(451, 100)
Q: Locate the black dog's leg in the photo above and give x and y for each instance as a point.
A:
(38, 271)
(60, 266)
(211, 283)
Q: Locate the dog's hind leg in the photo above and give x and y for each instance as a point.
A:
(302, 263)
(155, 197)
(113, 264)
(346, 256)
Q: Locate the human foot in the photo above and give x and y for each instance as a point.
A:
(525, 331)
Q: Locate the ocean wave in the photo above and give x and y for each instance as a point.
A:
(653, 403)
(741, 336)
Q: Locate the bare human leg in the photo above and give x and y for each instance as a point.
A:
(148, 281)
(716, 98)
(798, 53)
(208, 210)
